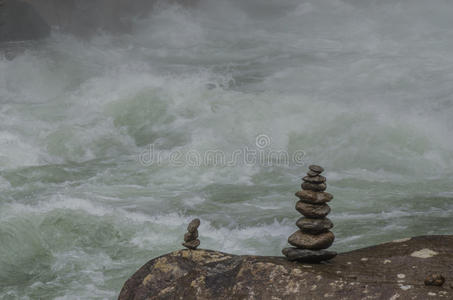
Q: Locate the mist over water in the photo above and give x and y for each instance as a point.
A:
(364, 88)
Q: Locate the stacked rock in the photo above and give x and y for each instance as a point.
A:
(191, 240)
(314, 235)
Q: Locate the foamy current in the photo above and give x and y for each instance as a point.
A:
(363, 88)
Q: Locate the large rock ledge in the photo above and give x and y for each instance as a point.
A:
(394, 270)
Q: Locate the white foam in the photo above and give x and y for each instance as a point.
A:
(348, 82)
(17, 152)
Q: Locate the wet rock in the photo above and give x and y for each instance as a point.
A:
(190, 236)
(435, 280)
(192, 244)
(193, 225)
(205, 274)
(303, 240)
(312, 174)
(315, 179)
(317, 169)
(314, 211)
(306, 255)
(314, 187)
(314, 231)
(312, 197)
(314, 225)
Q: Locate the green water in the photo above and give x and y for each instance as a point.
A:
(362, 88)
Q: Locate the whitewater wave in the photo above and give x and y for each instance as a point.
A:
(361, 87)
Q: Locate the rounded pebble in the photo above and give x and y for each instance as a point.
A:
(312, 210)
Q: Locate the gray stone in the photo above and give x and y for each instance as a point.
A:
(309, 256)
(313, 197)
(321, 187)
(314, 226)
(190, 236)
(312, 174)
(192, 244)
(314, 179)
(303, 240)
(313, 210)
(193, 225)
(316, 169)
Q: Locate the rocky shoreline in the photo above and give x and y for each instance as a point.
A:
(396, 270)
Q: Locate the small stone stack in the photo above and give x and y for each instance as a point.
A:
(314, 236)
(191, 240)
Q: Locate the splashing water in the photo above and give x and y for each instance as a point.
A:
(361, 87)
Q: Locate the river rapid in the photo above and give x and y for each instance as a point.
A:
(102, 141)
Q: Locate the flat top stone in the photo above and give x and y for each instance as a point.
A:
(316, 168)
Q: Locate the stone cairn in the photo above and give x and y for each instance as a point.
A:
(314, 236)
(191, 240)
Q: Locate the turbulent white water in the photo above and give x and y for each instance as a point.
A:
(363, 88)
